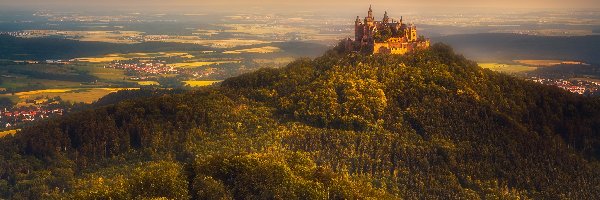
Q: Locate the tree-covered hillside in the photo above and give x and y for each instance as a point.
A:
(429, 125)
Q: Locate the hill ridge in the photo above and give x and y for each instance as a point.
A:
(429, 124)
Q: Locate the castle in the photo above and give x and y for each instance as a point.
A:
(386, 36)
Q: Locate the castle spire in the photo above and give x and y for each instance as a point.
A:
(370, 12)
(386, 19)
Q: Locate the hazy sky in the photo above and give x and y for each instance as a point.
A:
(333, 5)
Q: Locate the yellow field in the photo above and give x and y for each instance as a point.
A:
(101, 59)
(199, 64)
(9, 132)
(545, 63)
(117, 57)
(226, 43)
(280, 60)
(199, 83)
(145, 83)
(267, 49)
(507, 68)
(85, 95)
(34, 92)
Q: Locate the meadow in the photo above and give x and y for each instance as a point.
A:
(24, 81)
(26, 77)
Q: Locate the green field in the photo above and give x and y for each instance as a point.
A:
(24, 81)
(45, 76)
(104, 74)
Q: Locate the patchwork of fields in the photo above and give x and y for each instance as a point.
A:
(75, 95)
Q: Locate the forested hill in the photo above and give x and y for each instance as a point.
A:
(429, 125)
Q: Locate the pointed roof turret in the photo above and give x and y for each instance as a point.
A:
(386, 19)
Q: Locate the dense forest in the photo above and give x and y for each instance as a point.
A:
(428, 125)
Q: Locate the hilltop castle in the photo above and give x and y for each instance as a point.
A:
(386, 36)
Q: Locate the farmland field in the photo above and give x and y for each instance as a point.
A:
(107, 74)
(199, 83)
(280, 60)
(507, 68)
(146, 83)
(8, 132)
(85, 95)
(23, 81)
(117, 57)
(198, 64)
(267, 49)
(94, 36)
(545, 63)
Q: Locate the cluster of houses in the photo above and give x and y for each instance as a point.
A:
(146, 70)
(16, 116)
(145, 67)
(575, 86)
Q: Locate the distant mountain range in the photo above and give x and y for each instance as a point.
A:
(507, 47)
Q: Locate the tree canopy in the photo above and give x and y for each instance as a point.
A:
(426, 125)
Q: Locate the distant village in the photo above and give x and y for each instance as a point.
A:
(578, 86)
(30, 111)
(145, 70)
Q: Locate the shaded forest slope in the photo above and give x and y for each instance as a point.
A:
(431, 125)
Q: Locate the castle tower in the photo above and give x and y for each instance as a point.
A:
(386, 19)
(358, 29)
(369, 20)
(413, 33)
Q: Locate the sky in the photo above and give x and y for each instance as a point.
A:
(293, 5)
